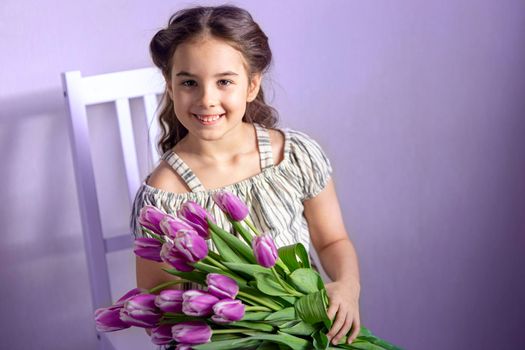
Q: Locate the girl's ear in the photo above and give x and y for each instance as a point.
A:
(169, 88)
(255, 86)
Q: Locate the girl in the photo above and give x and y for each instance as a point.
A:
(218, 133)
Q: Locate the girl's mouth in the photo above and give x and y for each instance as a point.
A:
(208, 119)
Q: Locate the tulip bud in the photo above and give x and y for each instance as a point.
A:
(141, 311)
(170, 300)
(231, 205)
(147, 248)
(170, 225)
(108, 320)
(161, 335)
(191, 245)
(228, 310)
(150, 217)
(170, 255)
(129, 295)
(264, 250)
(198, 303)
(191, 332)
(196, 216)
(222, 286)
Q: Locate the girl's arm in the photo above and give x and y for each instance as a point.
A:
(338, 258)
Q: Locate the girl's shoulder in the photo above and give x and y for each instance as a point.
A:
(278, 142)
(165, 178)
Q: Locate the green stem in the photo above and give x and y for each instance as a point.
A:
(214, 255)
(282, 265)
(164, 285)
(153, 235)
(231, 330)
(252, 227)
(259, 301)
(285, 287)
(256, 308)
(212, 261)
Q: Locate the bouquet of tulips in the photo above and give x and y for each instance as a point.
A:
(251, 295)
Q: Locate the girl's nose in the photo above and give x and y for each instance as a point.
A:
(208, 96)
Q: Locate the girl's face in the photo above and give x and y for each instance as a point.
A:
(210, 87)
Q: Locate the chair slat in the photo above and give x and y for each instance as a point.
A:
(87, 194)
(127, 140)
(150, 106)
(126, 84)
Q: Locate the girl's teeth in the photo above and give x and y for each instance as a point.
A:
(208, 119)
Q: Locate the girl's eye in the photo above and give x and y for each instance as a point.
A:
(188, 83)
(225, 82)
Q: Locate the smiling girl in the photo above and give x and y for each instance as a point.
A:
(218, 133)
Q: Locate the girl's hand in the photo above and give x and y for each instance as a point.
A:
(344, 304)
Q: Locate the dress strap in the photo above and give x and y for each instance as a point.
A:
(183, 170)
(265, 147)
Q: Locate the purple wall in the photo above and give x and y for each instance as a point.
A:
(420, 106)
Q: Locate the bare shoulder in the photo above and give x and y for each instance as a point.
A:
(277, 142)
(165, 178)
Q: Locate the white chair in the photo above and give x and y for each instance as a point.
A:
(80, 92)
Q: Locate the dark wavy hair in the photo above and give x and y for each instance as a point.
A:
(229, 23)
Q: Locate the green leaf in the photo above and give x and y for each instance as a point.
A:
(377, 341)
(293, 342)
(241, 343)
(255, 316)
(284, 314)
(306, 280)
(294, 256)
(290, 300)
(257, 326)
(227, 336)
(320, 340)
(248, 269)
(299, 328)
(194, 276)
(311, 308)
(266, 345)
(234, 243)
(358, 345)
(227, 253)
(267, 284)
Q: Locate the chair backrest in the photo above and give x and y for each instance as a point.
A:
(80, 92)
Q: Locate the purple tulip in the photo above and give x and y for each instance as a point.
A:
(148, 248)
(196, 216)
(198, 303)
(108, 320)
(191, 332)
(170, 300)
(191, 245)
(222, 286)
(141, 311)
(228, 310)
(170, 255)
(161, 335)
(170, 225)
(129, 295)
(150, 217)
(264, 250)
(231, 205)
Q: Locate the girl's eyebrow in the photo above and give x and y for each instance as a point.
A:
(186, 74)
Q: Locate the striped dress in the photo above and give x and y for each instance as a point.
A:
(274, 197)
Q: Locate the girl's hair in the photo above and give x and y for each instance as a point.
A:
(229, 23)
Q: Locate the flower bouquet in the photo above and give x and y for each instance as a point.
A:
(248, 295)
